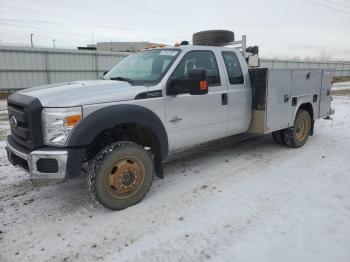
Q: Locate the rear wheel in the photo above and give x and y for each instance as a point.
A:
(297, 135)
(120, 175)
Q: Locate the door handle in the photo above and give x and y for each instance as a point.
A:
(224, 99)
(175, 120)
(286, 98)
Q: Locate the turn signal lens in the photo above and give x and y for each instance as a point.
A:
(203, 85)
(71, 121)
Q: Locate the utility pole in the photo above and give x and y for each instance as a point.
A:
(244, 44)
(54, 43)
(31, 40)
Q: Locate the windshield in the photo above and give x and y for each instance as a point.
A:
(146, 67)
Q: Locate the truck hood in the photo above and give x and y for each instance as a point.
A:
(79, 93)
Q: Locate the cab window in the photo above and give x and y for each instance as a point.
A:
(233, 68)
(142, 68)
(199, 59)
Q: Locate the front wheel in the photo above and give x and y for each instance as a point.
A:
(297, 135)
(120, 175)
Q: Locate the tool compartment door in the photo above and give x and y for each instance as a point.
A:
(306, 82)
(306, 88)
(325, 103)
(278, 99)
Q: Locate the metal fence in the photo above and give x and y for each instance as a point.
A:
(26, 67)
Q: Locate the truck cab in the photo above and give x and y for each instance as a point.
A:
(225, 109)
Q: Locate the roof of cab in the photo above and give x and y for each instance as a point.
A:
(186, 47)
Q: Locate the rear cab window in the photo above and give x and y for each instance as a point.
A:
(233, 68)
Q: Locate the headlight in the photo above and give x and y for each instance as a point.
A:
(57, 123)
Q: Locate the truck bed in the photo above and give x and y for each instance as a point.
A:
(278, 93)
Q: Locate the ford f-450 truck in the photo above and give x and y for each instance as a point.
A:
(152, 103)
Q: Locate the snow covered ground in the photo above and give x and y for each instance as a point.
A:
(237, 199)
(341, 86)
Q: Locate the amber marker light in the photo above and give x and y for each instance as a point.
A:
(203, 85)
(71, 121)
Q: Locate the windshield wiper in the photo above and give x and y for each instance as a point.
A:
(120, 78)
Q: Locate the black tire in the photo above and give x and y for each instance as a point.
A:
(277, 136)
(297, 135)
(213, 38)
(106, 176)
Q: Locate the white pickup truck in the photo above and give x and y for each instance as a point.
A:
(151, 104)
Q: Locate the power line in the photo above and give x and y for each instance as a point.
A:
(329, 7)
(337, 3)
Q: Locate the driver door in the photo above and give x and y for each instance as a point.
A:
(193, 119)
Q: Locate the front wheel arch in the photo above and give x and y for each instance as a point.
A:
(109, 117)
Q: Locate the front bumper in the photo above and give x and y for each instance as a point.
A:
(46, 162)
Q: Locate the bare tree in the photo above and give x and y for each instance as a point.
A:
(307, 58)
(324, 56)
(296, 58)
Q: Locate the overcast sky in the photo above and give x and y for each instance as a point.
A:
(282, 29)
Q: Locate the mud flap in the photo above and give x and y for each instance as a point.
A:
(312, 128)
(158, 166)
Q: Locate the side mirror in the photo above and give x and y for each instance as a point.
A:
(195, 84)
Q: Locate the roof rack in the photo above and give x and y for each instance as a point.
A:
(241, 44)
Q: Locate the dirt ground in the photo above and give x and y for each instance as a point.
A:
(341, 92)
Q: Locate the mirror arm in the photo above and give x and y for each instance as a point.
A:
(170, 87)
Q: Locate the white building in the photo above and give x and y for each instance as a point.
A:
(121, 46)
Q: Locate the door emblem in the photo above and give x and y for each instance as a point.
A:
(175, 120)
(13, 121)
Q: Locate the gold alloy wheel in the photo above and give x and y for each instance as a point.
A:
(302, 128)
(125, 177)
